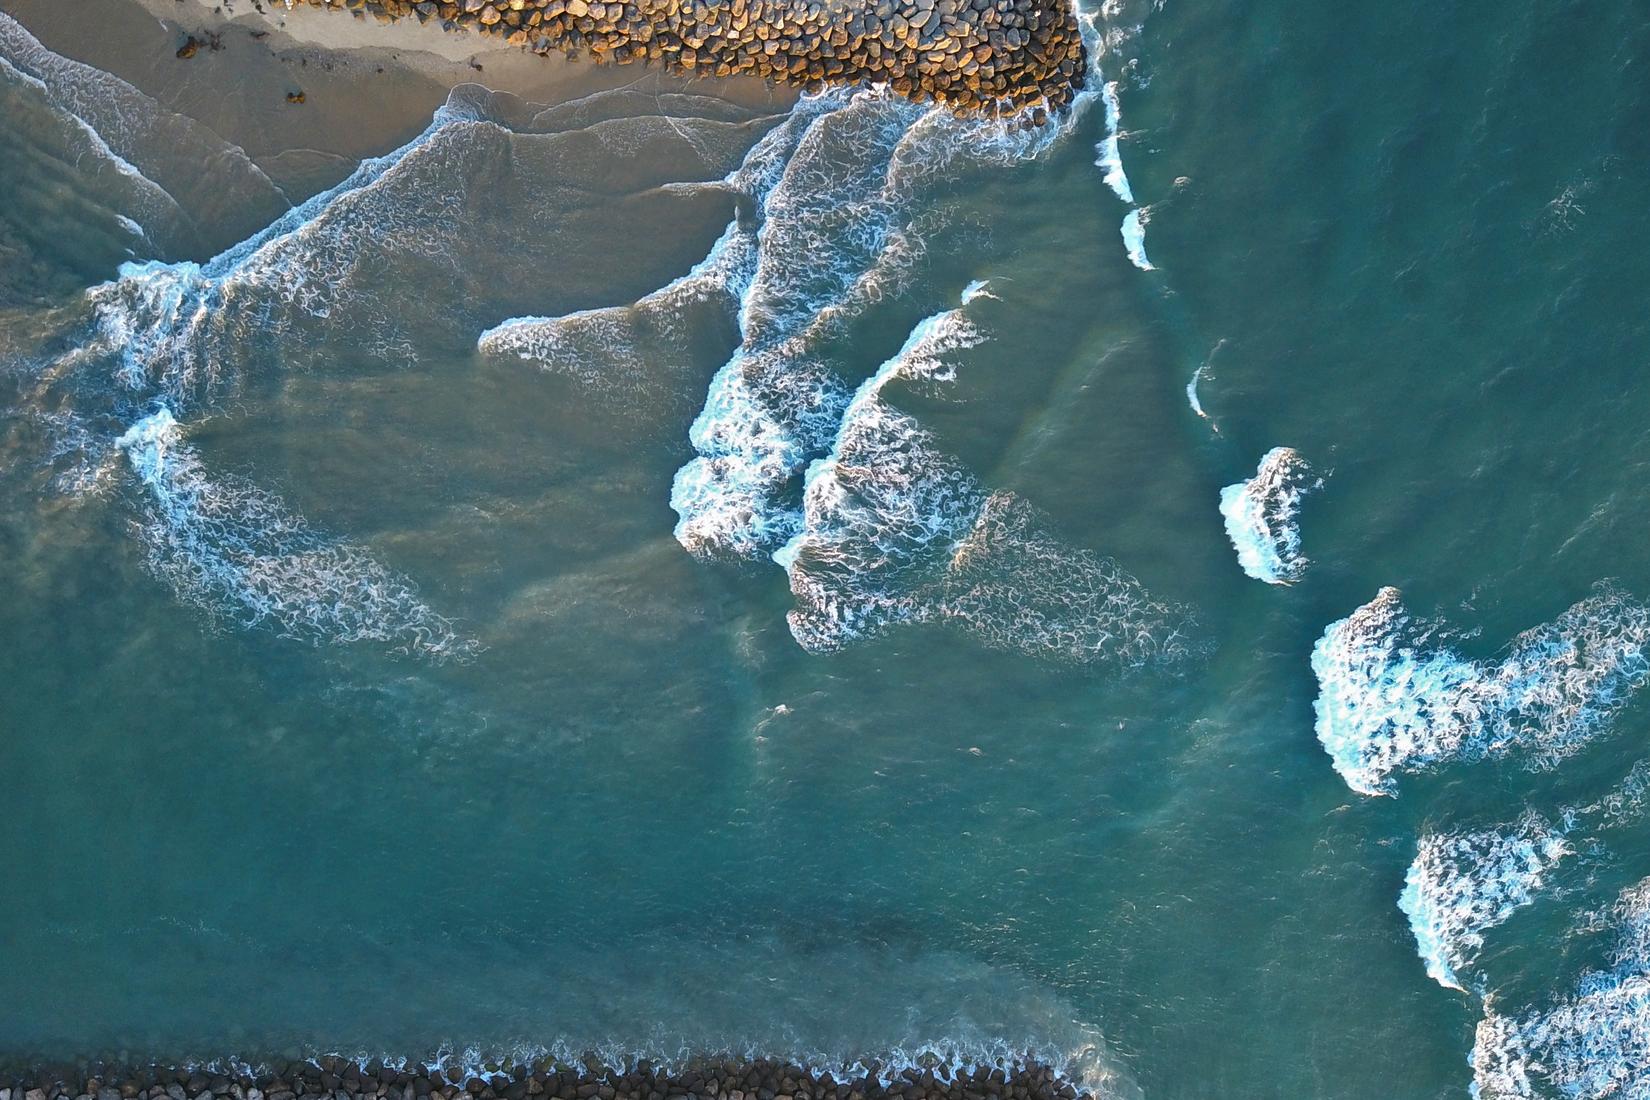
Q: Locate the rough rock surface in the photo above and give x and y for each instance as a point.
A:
(335, 1078)
(975, 56)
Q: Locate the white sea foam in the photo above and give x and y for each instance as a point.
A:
(894, 532)
(879, 506)
(179, 329)
(1191, 391)
(1393, 696)
(1461, 885)
(238, 553)
(761, 994)
(1086, 1065)
(1263, 516)
(1624, 803)
(835, 198)
(1016, 585)
(1590, 1046)
(1110, 159)
(1134, 239)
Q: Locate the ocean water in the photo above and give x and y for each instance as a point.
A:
(652, 574)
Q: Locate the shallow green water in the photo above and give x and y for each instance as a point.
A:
(606, 800)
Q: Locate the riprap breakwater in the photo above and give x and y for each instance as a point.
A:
(991, 57)
(337, 1078)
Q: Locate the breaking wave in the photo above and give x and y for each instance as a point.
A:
(1592, 1045)
(238, 553)
(319, 285)
(621, 349)
(838, 231)
(1108, 150)
(893, 531)
(1110, 158)
(1460, 885)
(873, 524)
(1394, 696)
(1134, 239)
(1262, 516)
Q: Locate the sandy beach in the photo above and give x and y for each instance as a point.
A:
(366, 86)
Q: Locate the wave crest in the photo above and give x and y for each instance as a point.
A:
(1262, 516)
(238, 553)
(1393, 697)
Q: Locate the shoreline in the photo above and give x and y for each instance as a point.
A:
(366, 88)
(1022, 58)
(332, 1077)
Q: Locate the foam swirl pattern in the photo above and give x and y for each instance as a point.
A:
(1395, 696)
(1262, 516)
(237, 553)
(1592, 1045)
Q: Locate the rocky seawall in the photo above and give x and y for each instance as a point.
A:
(335, 1078)
(991, 57)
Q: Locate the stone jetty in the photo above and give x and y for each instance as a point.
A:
(334, 1078)
(990, 57)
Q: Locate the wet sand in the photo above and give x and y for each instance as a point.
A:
(366, 87)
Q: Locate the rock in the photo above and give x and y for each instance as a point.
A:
(987, 57)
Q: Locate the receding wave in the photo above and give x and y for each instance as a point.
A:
(626, 350)
(1395, 696)
(182, 331)
(238, 553)
(1262, 516)
(185, 176)
(317, 286)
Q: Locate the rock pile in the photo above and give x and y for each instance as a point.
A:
(332, 1078)
(976, 56)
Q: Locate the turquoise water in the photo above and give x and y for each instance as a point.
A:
(393, 654)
